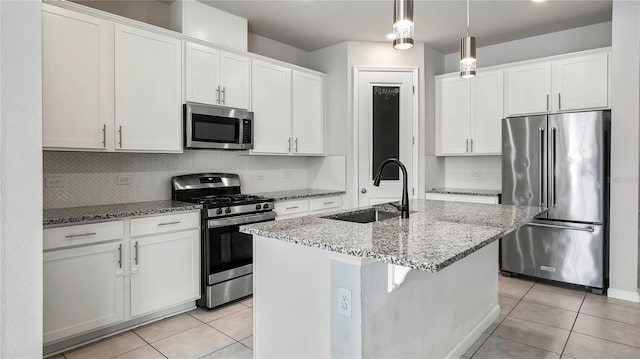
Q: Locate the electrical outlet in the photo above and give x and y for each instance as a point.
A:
(476, 173)
(53, 182)
(124, 180)
(344, 302)
(288, 174)
(259, 176)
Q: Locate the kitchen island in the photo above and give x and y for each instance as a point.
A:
(426, 286)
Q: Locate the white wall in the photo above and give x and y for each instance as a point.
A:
(277, 50)
(480, 172)
(151, 12)
(433, 169)
(556, 43)
(20, 179)
(625, 139)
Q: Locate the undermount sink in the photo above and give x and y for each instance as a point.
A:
(372, 215)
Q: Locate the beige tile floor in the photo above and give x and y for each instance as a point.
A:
(537, 320)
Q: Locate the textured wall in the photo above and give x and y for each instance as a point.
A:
(20, 165)
(90, 178)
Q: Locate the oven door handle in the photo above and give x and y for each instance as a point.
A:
(232, 221)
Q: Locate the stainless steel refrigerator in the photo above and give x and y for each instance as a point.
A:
(561, 162)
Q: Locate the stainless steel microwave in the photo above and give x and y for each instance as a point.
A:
(217, 127)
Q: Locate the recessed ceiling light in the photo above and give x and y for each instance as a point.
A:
(538, 0)
(391, 36)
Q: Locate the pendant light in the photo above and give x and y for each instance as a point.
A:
(403, 24)
(467, 53)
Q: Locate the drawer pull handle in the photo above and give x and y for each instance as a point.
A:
(80, 235)
(294, 207)
(168, 223)
(326, 203)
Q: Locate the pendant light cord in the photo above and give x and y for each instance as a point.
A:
(467, 17)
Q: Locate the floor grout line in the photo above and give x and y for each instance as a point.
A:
(607, 340)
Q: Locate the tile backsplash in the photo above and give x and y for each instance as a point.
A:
(90, 178)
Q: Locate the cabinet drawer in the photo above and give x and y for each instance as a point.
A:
(165, 223)
(291, 207)
(68, 236)
(325, 203)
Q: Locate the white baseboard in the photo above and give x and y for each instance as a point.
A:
(474, 334)
(624, 295)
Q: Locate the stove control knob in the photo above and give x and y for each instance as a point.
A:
(228, 210)
(258, 206)
(266, 205)
(219, 211)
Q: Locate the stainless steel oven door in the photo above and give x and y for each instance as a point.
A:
(229, 253)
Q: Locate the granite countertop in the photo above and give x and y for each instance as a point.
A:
(76, 215)
(301, 193)
(467, 191)
(437, 235)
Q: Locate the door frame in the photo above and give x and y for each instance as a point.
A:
(413, 192)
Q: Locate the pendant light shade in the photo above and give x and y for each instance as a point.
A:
(467, 57)
(467, 53)
(403, 24)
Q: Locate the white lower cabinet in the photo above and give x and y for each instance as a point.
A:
(86, 267)
(164, 271)
(305, 207)
(83, 289)
(463, 198)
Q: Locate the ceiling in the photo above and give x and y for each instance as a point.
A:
(313, 24)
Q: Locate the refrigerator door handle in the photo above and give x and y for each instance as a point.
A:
(553, 166)
(585, 229)
(541, 143)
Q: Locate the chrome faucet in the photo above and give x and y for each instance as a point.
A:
(404, 205)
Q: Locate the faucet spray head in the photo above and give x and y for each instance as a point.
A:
(376, 180)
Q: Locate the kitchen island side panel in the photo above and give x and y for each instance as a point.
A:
(395, 311)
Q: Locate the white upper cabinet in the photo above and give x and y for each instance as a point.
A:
(216, 77)
(581, 82)
(234, 80)
(308, 114)
(271, 100)
(469, 114)
(148, 96)
(202, 66)
(529, 89)
(454, 116)
(572, 83)
(77, 80)
(488, 104)
(288, 110)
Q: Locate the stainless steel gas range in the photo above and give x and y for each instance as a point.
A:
(227, 254)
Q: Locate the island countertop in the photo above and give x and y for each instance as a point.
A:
(437, 234)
